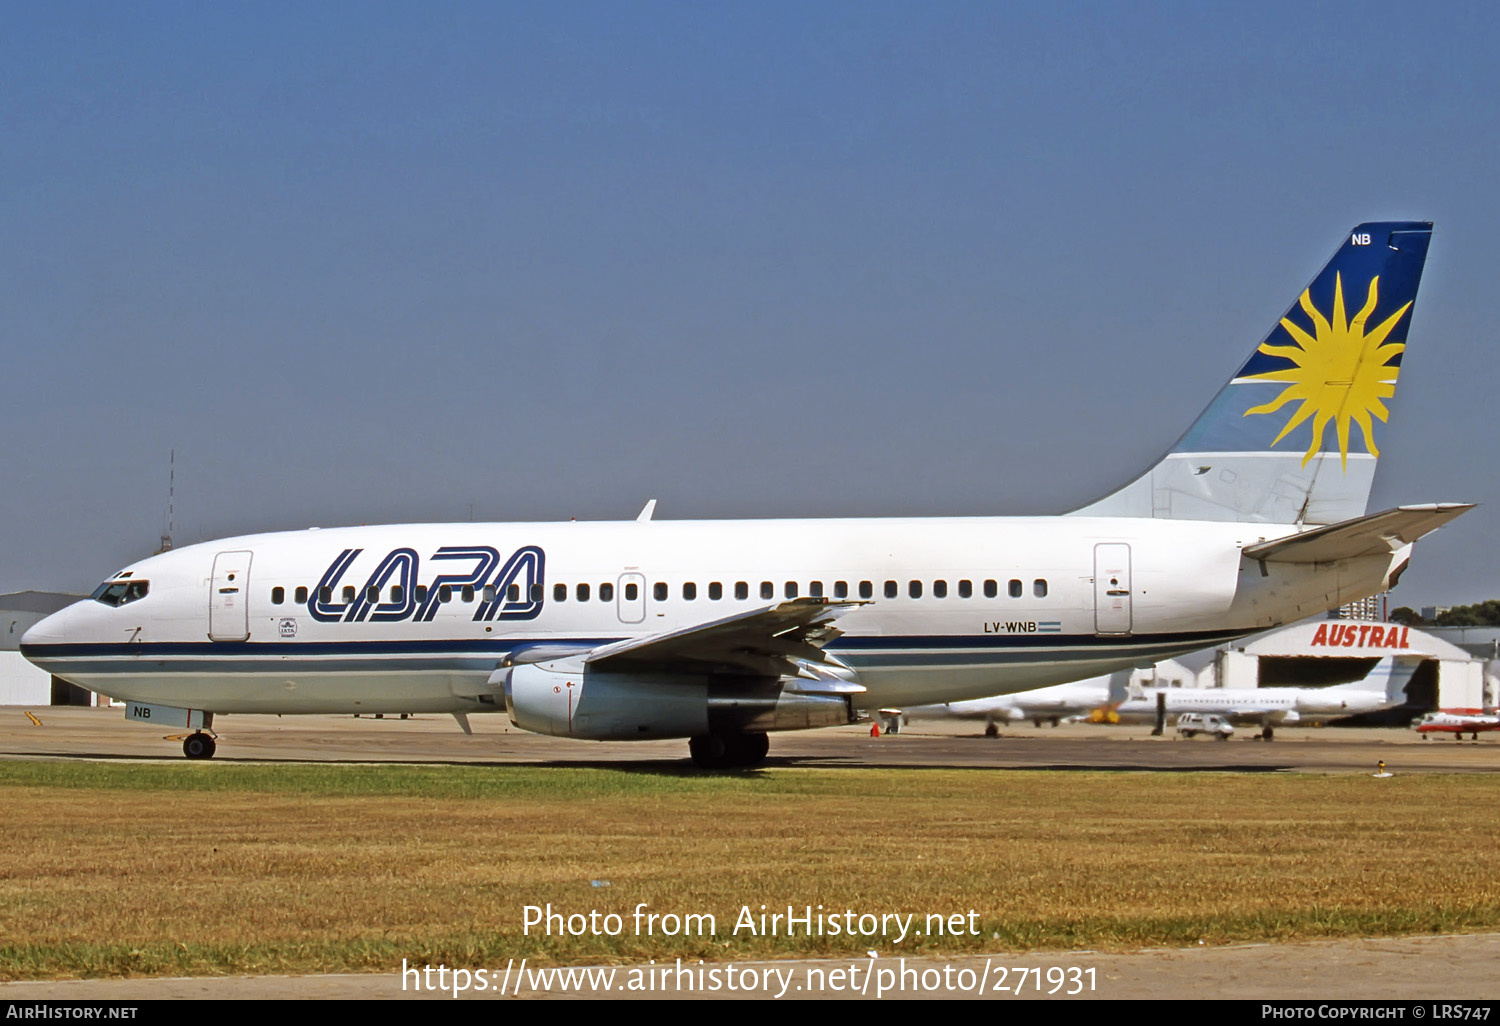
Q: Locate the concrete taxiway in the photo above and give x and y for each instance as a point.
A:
(74, 732)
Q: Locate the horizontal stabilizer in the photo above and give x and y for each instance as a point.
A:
(1378, 534)
(775, 641)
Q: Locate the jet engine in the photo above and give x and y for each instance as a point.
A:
(565, 698)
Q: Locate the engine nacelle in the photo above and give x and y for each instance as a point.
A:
(566, 699)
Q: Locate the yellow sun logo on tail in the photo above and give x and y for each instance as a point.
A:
(1341, 373)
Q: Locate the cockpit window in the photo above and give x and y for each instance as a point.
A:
(118, 593)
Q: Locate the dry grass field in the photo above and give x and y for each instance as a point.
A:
(110, 869)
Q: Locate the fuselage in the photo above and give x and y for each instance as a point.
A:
(418, 617)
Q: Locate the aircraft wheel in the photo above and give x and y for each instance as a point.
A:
(199, 746)
(728, 751)
(751, 749)
(1055, 721)
(1268, 734)
(708, 751)
(990, 730)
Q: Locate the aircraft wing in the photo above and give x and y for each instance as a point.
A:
(783, 640)
(1378, 534)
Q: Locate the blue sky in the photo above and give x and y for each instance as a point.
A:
(379, 262)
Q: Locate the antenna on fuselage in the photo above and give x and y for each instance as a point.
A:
(166, 538)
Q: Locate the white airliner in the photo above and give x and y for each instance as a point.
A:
(1051, 704)
(1383, 688)
(720, 631)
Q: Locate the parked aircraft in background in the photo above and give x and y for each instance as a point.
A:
(1268, 708)
(1456, 723)
(721, 631)
(1040, 705)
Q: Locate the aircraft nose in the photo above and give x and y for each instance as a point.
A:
(50, 630)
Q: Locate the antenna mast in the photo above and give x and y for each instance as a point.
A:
(166, 538)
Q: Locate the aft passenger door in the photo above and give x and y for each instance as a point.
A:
(229, 597)
(1112, 612)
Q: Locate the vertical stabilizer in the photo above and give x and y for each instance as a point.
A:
(1294, 436)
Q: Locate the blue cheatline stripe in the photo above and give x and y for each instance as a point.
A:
(501, 646)
(482, 656)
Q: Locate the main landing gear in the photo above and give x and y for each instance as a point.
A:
(728, 751)
(199, 746)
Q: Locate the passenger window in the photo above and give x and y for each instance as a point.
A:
(632, 592)
(348, 594)
(715, 591)
(891, 590)
(991, 589)
(278, 596)
(939, 589)
(815, 589)
(583, 592)
(689, 591)
(372, 594)
(301, 597)
(914, 589)
(767, 590)
(741, 589)
(659, 591)
(791, 589)
(488, 593)
(536, 593)
(398, 594)
(468, 593)
(513, 593)
(1015, 589)
(1039, 588)
(559, 593)
(866, 590)
(445, 593)
(840, 589)
(965, 589)
(607, 592)
(325, 594)
(422, 594)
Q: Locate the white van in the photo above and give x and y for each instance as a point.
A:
(1189, 724)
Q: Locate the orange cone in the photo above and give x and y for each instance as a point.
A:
(874, 730)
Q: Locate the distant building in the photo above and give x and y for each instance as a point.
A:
(20, 682)
(1370, 609)
(1441, 674)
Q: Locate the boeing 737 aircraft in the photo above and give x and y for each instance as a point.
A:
(721, 631)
